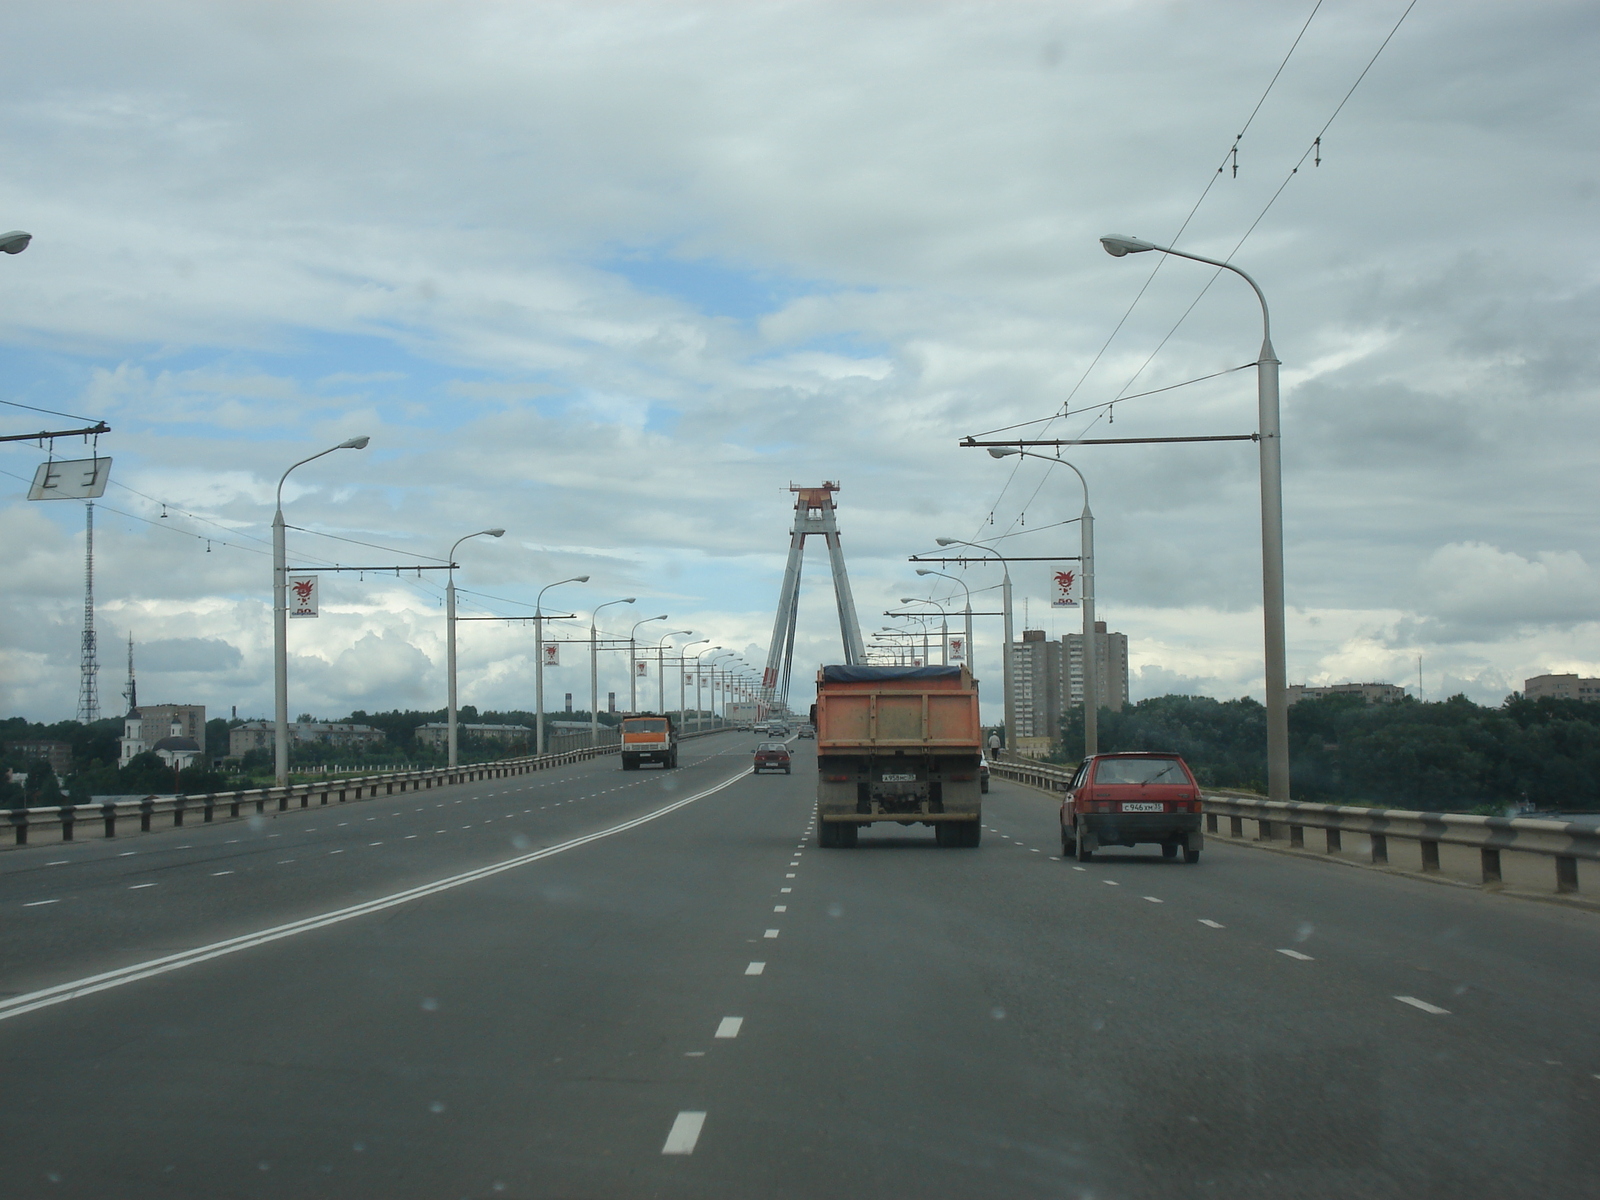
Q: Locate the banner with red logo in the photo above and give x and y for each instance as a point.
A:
(302, 595)
(1065, 589)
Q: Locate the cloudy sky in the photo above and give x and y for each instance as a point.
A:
(614, 275)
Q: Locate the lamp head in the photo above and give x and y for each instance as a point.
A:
(925, 571)
(579, 579)
(15, 242)
(1003, 451)
(495, 532)
(948, 541)
(355, 443)
(629, 600)
(662, 617)
(1119, 246)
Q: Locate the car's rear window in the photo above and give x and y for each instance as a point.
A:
(642, 725)
(772, 746)
(1140, 770)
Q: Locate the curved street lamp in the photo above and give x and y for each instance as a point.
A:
(1091, 680)
(15, 242)
(538, 658)
(633, 662)
(1005, 608)
(956, 579)
(280, 598)
(450, 640)
(594, 670)
(1274, 652)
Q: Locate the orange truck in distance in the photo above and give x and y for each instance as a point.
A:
(898, 744)
(649, 739)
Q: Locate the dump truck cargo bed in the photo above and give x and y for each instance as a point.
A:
(897, 744)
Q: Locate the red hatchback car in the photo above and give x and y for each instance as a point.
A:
(772, 756)
(1125, 799)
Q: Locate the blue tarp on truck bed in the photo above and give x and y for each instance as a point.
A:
(844, 674)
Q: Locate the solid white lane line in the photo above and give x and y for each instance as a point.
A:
(1155, 900)
(771, 933)
(1430, 1008)
(685, 1132)
(729, 1027)
(137, 886)
(755, 968)
(37, 903)
(1213, 924)
(1295, 954)
(61, 992)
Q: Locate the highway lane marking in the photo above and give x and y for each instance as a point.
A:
(790, 875)
(1112, 882)
(755, 968)
(1080, 868)
(1295, 954)
(1213, 924)
(729, 1027)
(1430, 1008)
(128, 853)
(780, 908)
(1155, 900)
(771, 933)
(15, 1006)
(408, 837)
(37, 903)
(281, 861)
(685, 1132)
(137, 886)
(786, 889)
(374, 843)
(214, 874)
(60, 862)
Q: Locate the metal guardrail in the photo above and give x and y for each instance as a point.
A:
(1557, 845)
(255, 801)
(1561, 844)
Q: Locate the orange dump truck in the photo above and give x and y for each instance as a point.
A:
(649, 739)
(897, 744)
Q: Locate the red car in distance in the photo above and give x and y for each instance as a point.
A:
(1126, 799)
(773, 756)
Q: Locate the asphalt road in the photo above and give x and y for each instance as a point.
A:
(702, 1004)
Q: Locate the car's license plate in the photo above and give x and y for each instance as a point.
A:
(899, 779)
(1144, 806)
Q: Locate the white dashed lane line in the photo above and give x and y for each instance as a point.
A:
(137, 886)
(1297, 956)
(729, 1027)
(771, 933)
(1430, 1008)
(684, 1134)
(1211, 923)
(39, 903)
(754, 968)
(1155, 900)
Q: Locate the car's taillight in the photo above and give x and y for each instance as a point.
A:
(836, 779)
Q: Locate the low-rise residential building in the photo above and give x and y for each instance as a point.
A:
(1562, 687)
(261, 735)
(437, 733)
(59, 754)
(1372, 693)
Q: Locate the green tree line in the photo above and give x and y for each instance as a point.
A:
(1449, 755)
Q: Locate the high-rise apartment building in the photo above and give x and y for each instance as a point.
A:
(1562, 687)
(1111, 667)
(1047, 677)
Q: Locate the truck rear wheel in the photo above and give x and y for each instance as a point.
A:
(844, 834)
(825, 835)
(1190, 856)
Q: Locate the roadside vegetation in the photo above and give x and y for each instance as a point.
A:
(1450, 755)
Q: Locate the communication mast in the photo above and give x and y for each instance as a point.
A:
(813, 516)
(88, 658)
(132, 694)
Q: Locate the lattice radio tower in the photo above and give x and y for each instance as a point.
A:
(813, 516)
(88, 658)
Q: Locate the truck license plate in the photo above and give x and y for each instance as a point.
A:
(1144, 806)
(899, 779)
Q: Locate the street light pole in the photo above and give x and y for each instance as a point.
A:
(450, 638)
(968, 613)
(1091, 657)
(538, 659)
(1005, 607)
(633, 662)
(280, 605)
(594, 670)
(1275, 652)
